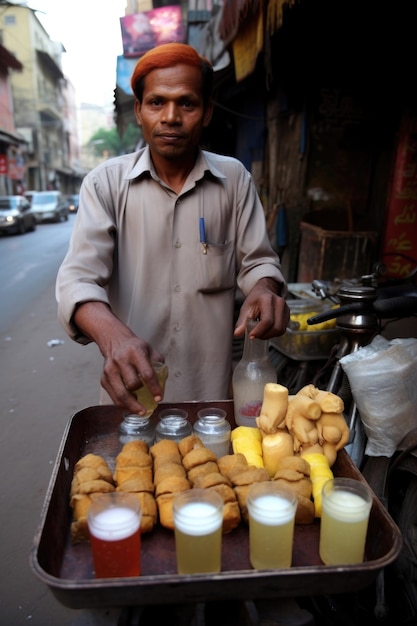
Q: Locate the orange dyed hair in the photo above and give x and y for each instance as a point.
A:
(168, 55)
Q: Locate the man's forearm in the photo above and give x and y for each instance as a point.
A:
(96, 321)
(272, 285)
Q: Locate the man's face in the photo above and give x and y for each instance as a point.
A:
(172, 113)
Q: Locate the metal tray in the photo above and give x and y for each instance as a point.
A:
(68, 571)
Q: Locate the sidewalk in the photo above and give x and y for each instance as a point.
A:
(41, 387)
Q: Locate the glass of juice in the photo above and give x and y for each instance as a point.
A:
(144, 395)
(198, 520)
(346, 505)
(114, 526)
(271, 512)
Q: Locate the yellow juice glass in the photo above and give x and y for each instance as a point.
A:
(271, 525)
(198, 520)
(144, 395)
(346, 505)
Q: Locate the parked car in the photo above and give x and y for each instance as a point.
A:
(16, 215)
(72, 203)
(48, 206)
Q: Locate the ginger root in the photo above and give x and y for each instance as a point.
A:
(275, 447)
(329, 402)
(273, 409)
(302, 414)
(333, 429)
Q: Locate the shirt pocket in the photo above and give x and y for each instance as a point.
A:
(216, 268)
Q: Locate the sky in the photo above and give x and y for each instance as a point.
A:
(90, 33)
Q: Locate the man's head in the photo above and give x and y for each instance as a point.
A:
(169, 55)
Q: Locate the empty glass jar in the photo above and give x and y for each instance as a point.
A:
(135, 427)
(214, 430)
(173, 424)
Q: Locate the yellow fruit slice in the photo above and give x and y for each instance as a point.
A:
(248, 432)
(320, 473)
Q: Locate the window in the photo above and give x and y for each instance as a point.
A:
(10, 20)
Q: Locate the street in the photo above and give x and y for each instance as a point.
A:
(41, 387)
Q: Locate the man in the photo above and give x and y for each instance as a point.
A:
(161, 239)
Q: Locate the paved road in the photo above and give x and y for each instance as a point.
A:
(41, 387)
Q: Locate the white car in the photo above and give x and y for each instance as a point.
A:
(48, 206)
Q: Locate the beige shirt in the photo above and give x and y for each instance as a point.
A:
(136, 246)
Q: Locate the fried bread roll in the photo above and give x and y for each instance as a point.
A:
(85, 474)
(149, 510)
(293, 473)
(165, 449)
(210, 467)
(170, 469)
(226, 491)
(137, 485)
(137, 445)
(231, 516)
(173, 484)
(91, 475)
(169, 478)
(134, 459)
(230, 462)
(90, 460)
(249, 475)
(242, 497)
(125, 474)
(203, 472)
(133, 474)
(305, 513)
(189, 443)
(205, 481)
(198, 456)
(166, 517)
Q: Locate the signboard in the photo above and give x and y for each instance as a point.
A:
(124, 72)
(400, 242)
(143, 31)
(3, 165)
(16, 168)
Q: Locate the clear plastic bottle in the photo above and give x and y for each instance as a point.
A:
(135, 427)
(250, 376)
(214, 430)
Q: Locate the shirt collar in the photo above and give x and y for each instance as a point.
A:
(203, 165)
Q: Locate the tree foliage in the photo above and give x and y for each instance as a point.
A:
(108, 141)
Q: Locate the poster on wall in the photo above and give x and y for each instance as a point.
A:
(124, 71)
(400, 241)
(143, 31)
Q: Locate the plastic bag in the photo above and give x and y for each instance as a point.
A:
(383, 380)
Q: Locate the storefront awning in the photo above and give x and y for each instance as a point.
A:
(236, 12)
(10, 138)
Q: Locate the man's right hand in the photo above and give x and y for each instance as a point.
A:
(127, 358)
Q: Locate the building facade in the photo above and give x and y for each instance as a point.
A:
(44, 103)
(12, 145)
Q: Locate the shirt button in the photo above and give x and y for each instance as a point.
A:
(177, 288)
(177, 374)
(177, 328)
(178, 244)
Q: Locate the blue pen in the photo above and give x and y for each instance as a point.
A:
(203, 239)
